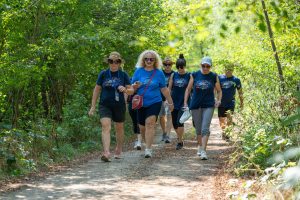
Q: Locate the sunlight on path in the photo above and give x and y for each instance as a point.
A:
(170, 174)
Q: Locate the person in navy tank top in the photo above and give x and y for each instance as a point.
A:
(229, 84)
(177, 85)
(203, 83)
(111, 84)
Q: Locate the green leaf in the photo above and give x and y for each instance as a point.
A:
(262, 27)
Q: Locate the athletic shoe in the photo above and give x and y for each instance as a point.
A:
(167, 139)
(138, 145)
(199, 152)
(148, 153)
(179, 145)
(203, 155)
(163, 137)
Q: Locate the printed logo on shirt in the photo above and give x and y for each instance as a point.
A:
(181, 82)
(113, 82)
(203, 84)
(228, 84)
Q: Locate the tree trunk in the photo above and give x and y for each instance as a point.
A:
(273, 47)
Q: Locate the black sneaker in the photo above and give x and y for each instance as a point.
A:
(163, 137)
(179, 145)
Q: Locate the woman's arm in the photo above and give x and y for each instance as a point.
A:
(165, 91)
(188, 91)
(219, 93)
(171, 83)
(96, 93)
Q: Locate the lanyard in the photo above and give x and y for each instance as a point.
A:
(114, 84)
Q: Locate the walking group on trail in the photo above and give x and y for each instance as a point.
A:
(153, 93)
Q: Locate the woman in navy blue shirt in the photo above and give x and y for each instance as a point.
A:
(203, 83)
(148, 66)
(177, 85)
(111, 85)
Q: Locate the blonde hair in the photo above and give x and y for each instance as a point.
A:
(141, 62)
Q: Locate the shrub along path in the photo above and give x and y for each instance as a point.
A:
(170, 174)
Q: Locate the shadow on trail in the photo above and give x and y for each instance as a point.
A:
(169, 174)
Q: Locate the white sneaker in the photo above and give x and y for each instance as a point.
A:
(199, 152)
(138, 145)
(203, 155)
(148, 153)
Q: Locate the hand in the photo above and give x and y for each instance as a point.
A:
(217, 104)
(92, 111)
(122, 88)
(185, 105)
(171, 106)
(136, 85)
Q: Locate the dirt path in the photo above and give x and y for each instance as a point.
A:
(170, 174)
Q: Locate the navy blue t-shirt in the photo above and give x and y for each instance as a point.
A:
(180, 82)
(152, 94)
(109, 82)
(229, 86)
(167, 77)
(203, 90)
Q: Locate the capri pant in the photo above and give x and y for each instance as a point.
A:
(202, 118)
(133, 114)
(176, 114)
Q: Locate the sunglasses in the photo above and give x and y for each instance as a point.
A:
(180, 67)
(205, 66)
(149, 59)
(111, 61)
(167, 65)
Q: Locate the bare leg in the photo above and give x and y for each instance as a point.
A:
(162, 120)
(119, 136)
(142, 131)
(179, 132)
(169, 124)
(106, 127)
(222, 121)
(149, 131)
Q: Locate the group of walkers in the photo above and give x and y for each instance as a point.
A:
(166, 95)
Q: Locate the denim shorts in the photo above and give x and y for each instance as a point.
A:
(145, 112)
(202, 118)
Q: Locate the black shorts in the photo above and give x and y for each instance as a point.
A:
(222, 111)
(145, 112)
(114, 112)
(176, 114)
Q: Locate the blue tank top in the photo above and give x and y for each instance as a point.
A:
(203, 90)
(180, 82)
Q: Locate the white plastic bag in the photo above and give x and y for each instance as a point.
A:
(185, 116)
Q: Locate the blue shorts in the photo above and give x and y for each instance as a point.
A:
(145, 112)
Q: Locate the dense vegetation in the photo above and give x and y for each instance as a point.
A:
(52, 51)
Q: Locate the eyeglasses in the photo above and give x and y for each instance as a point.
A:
(205, 66)
(111, 61)
(149, 59)
(180, 67)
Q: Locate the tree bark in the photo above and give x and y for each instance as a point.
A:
(274, 47)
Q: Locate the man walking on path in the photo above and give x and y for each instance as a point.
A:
(229, 84)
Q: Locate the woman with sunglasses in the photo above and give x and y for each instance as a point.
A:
(148, 80)
(203, 83)
(165, 117)
(177, 85)
(112, 83)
